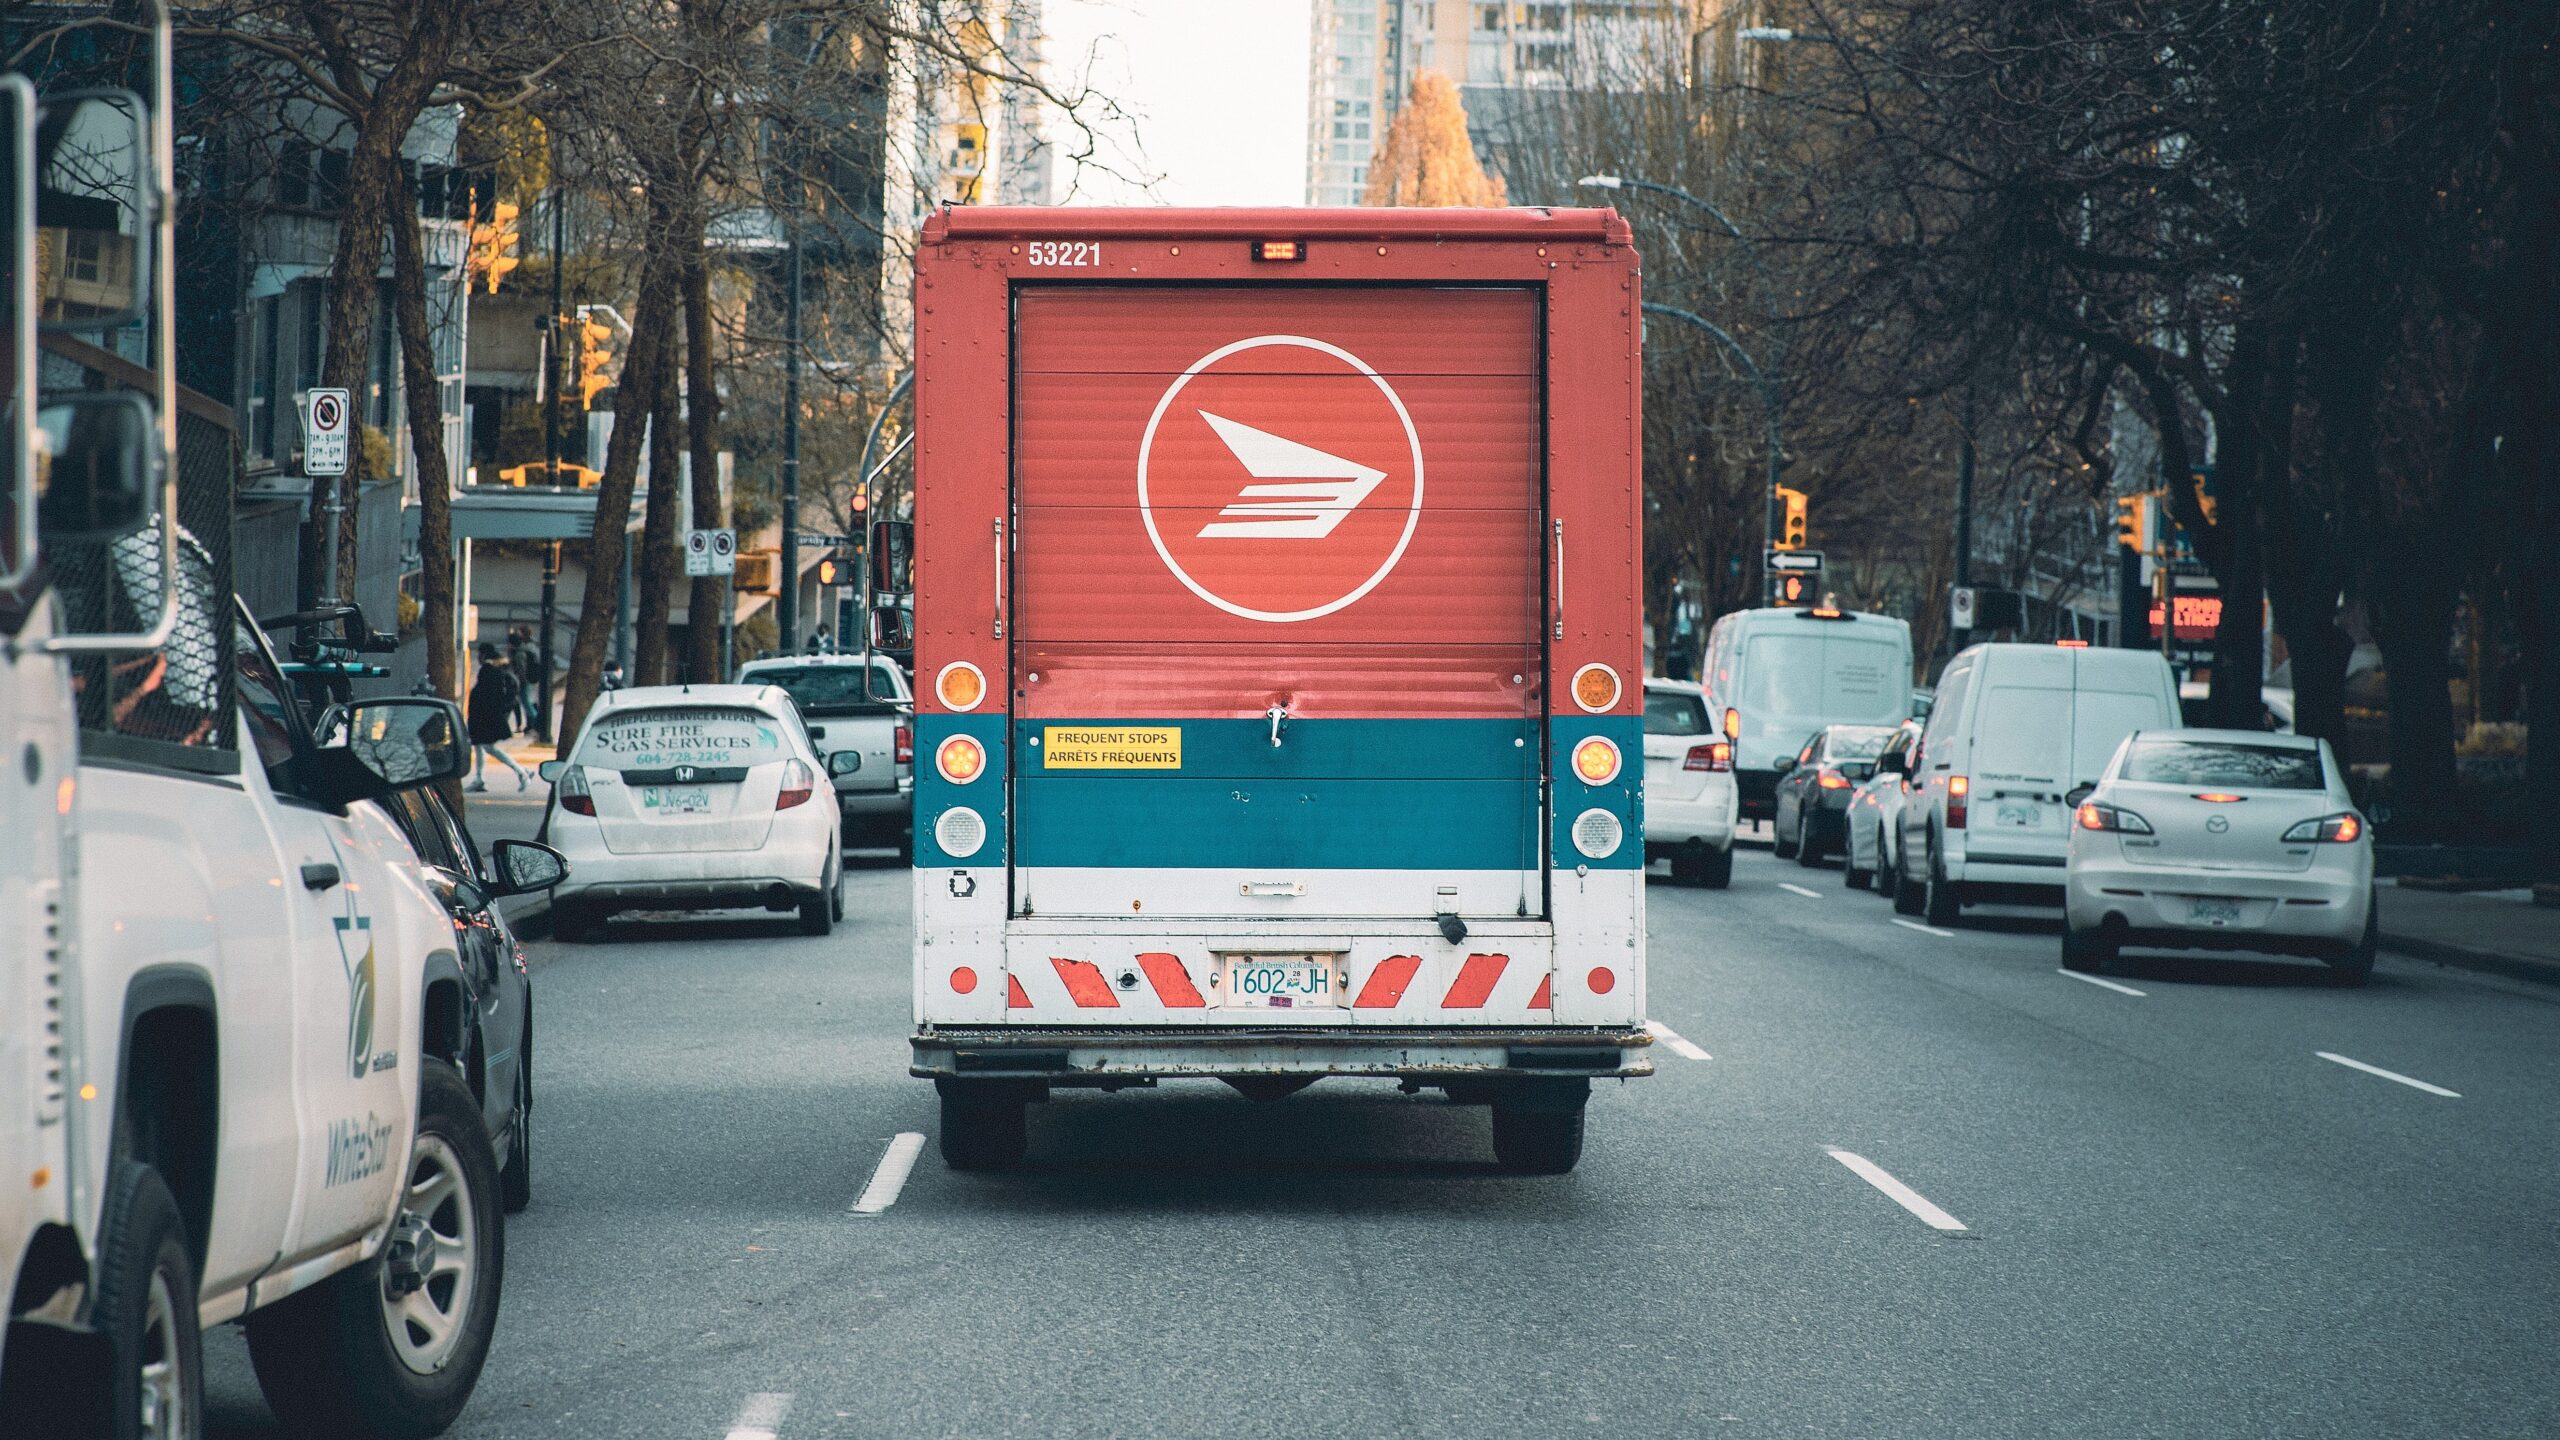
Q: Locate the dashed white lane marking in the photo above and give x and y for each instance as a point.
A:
(761, 1417)
(1924, 929)
(1671, 1037)
(1901, 1194)
(891, 1177)
(1800, 890)
(2102, 984)
(2393, 1075)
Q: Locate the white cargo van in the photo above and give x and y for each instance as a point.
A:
(1776, 676)
(2015, 729)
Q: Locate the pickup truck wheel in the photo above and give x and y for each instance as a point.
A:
(985, 1126)
(146, 1309)
(1716, 872)
(1536, 1142)
(394, 1346)
(515, 1182)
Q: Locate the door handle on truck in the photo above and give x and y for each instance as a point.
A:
(1278, 715)
(319, 877)
(1559, 631)
(999, 577)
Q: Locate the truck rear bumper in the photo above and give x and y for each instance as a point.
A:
(1090, 1056)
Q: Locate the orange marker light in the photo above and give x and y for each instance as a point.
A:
(2349, 827)
(1279, 250)
(1732, 723)
(960, 685)
(1595, 688)
(2090, 819)
(1596, 761)
(961, 759)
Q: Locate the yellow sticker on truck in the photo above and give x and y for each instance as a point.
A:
(1111, 747)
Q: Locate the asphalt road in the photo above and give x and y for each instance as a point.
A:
(2179, 1219)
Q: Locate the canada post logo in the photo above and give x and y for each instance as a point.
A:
(1280, 478)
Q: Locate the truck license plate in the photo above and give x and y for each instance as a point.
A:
(1281, 982)
(2211, 910)
(2025, 814)
(676, 799)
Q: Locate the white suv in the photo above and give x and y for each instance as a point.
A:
(694, 798)
(1690, 802)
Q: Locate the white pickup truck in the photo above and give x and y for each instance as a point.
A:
(864, 722)
(229, 1007)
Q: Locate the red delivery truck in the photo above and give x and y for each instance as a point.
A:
(1277, 584)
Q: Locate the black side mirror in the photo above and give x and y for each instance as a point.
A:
(2079, 793)
(892, 629)
(525, 866)
(893, 557)
(408, 742)
(1785, 764)
(99, 450)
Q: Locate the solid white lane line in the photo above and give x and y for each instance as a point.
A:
(1924, 929)
(1671, 1037)
(891, 1177)
(761, 1417)
(1800, 890)
(2389, 1075)
(2101, 984)
(1901, 1194)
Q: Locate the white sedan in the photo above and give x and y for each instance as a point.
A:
(2220, 840)
(1868, 856)
(694, 798)
(1690, 802)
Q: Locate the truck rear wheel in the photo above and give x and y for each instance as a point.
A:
(394, 1346)
(986, 1124)
(1537, 1125)
(146, 1310)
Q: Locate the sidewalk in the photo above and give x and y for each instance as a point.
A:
(2501, 931)
(502, 812)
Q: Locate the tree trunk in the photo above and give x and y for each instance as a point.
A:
(660, 535)
(2239, 639)
(710, 594)
(2413, 623)
(603, 590)
(426, 448)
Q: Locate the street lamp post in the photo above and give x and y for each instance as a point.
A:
(1770, 397)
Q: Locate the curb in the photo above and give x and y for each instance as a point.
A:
(2463, 957)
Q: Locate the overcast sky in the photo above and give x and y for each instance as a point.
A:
(1215, 93)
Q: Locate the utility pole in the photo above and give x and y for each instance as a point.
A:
(551, 466)
(1964, 511)
(787, 606)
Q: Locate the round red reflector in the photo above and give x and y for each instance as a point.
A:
(1602, 979)
(964, 980)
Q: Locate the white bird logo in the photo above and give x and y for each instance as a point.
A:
(1314, 492)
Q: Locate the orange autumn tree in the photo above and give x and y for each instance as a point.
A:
(1425, 157)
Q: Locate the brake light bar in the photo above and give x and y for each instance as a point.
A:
(1714, 756)
(1958, 788)
(1830, 779)
(1279, 250)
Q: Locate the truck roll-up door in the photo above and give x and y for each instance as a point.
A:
(1231, 501)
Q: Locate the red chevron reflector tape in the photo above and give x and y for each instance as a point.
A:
(1172, 982)
(1085, 984)
(1545, 998)
(1475, 982)
(1014, 999)
(1385, 985)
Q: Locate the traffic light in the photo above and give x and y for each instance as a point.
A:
(2133, 513)
(491, 242)
(758, 572)
(1791, 520)
(861, 506)
(1794, 589)
(831, 569)
(592, 358)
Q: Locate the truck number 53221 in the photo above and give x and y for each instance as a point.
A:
(1064, 252)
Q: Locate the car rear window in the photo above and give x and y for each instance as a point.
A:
(1846, 744)
(832, 689)
(2224, 765)
(1668, 712)
(683, 735)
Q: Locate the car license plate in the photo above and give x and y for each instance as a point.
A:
(1282, 982)
(2025, 814)
(676, 799)
(2212, 910)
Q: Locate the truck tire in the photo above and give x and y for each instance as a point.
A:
(1909, 897)
(1940, 906)
(986, 1125)
(146, 1310)
(1536, 1142)
(347, 1358)
(515, 1182)
(1717, 871)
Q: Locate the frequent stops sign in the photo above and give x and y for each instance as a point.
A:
(1280, 478)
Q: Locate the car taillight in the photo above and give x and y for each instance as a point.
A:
(2094, 816)
(2338, 829)
(906, 744)
(1716, 756)
(1732, 723)
(1830, 779)
(1958, 787)
(575, 796)
(799, 782)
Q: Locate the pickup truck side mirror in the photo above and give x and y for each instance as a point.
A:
(844, 762)
(525, 866)
(102, 449)
(2079, 793)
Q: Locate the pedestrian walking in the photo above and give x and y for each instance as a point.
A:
(494, 692)
(519, 650)
(612, 675)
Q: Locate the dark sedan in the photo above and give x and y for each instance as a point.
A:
(1813, 793)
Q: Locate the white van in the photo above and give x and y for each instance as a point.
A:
(2015, 729)
(1774, 677)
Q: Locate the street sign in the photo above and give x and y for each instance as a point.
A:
(325, 419)
(818, 540)
(1960, 607)
(710, 552)
(1795, 560)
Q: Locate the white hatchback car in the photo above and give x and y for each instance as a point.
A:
(1690, 802)
(1875, 817)
(2220, 840)
(694, 798)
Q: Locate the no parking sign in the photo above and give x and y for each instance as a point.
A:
(324, 432)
